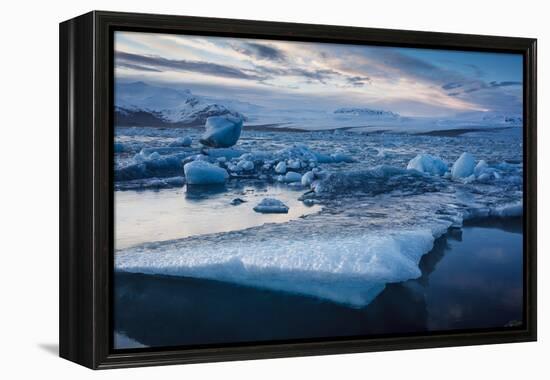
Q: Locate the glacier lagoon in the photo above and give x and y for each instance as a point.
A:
(362, 223)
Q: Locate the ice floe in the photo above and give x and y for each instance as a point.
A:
(351, 270)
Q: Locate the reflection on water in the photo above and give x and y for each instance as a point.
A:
(148, 216)
(471, 279)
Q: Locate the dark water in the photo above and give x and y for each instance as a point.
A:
(472, 279)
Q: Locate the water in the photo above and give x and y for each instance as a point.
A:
(151, 216)
(471, 279)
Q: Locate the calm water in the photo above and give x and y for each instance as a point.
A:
(148, 216)
(471, 279)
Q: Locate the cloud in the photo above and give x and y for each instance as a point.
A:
(504, 84)
(137, 67)
(357, 81)
(156, 63)
(491, 85)
(308, 71)
(451, 85)
(261, 51)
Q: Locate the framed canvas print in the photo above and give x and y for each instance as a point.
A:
(237, 189)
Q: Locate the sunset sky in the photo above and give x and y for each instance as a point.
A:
(287, 75)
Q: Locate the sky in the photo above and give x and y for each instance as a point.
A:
(322, 76)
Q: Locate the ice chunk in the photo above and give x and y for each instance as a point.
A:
(237, 201)
(280, 168)
(222, 131)
(463, 166)
(508, 210)
(308, 178)
(426, 163)
(294, 164)
(293, 177)
(204, 173)
(151, 166)
(480, 168)
(347, 269)
(245, 165)
(182, 141)
(271, 206)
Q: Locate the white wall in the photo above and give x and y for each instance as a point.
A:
(29, 174)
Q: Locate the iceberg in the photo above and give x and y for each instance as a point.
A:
(480, 168)
(293, 177)
(222, 131)
(308, 178)
(464, 166)
(429, 164)
(182, 141)
(294, 164)
(151, 166)
(280, 168)
(271, 206)
(245, 165)
(508, 210)
(204, 173)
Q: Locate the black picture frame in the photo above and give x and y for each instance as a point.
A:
(86, 186)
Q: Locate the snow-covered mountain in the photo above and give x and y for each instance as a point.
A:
(366, 112)
(141, 104)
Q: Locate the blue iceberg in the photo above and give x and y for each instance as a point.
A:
(222, 131)
(429, 164)
(204, 173)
